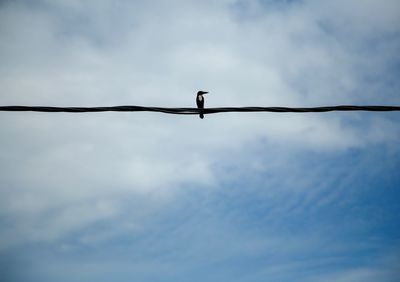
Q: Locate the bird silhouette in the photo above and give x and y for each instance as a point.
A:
(200, 101)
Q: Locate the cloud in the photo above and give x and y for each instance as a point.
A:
(73, 181)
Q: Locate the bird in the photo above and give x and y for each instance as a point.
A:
(200, 101)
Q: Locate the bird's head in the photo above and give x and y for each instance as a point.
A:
(201, 93)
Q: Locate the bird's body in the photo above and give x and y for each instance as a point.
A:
(200, 101)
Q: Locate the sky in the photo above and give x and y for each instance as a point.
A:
(233, 197)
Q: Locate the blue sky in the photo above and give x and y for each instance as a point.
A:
(233, 197)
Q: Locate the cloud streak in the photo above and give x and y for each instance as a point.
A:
(241, 197)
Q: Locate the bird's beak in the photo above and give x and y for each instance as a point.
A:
(205, 93)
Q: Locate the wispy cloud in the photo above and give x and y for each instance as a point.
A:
(242, 197)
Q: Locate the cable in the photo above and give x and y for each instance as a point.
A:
(194, 111)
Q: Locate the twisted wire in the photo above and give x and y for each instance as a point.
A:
(194, 111)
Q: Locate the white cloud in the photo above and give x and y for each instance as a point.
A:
(79, 168)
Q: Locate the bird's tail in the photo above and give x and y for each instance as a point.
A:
(201, 116)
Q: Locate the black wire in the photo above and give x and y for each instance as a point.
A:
(194, 111)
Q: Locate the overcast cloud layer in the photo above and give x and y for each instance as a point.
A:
(233, 197)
